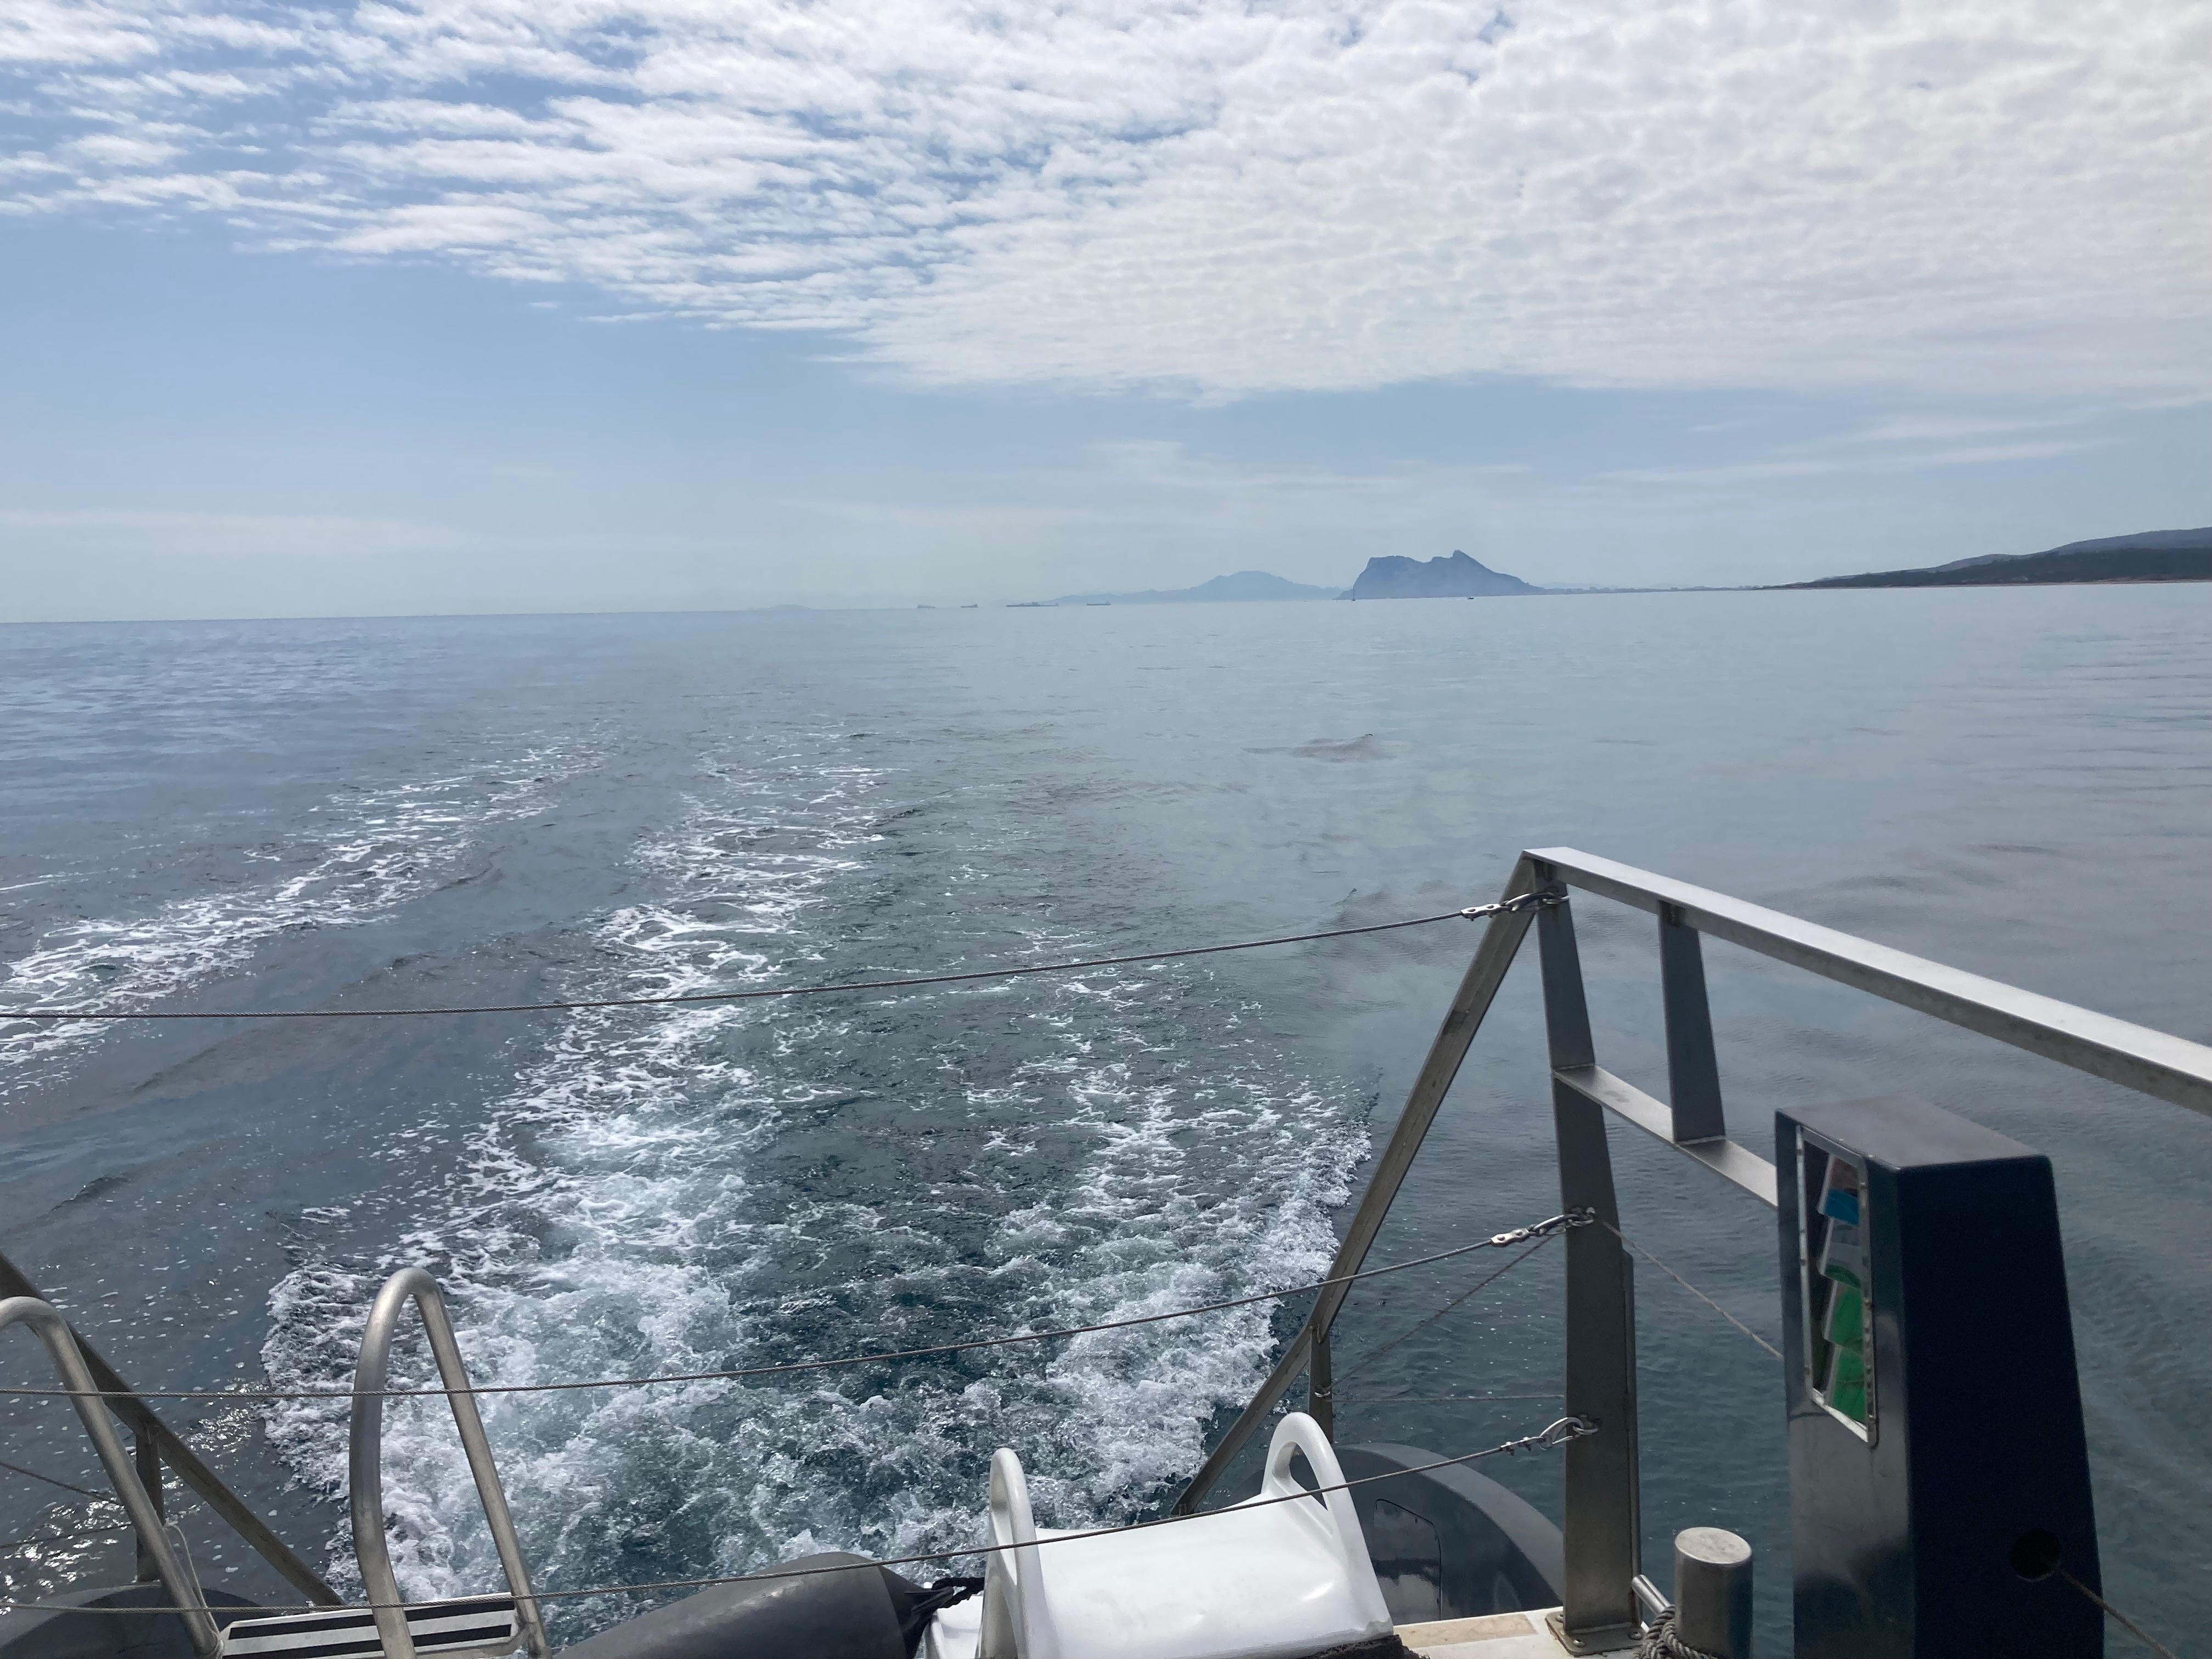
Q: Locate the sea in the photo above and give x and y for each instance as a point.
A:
(439, 812)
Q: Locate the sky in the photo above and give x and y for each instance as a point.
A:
(572, 305)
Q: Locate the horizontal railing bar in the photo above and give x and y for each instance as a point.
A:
(1725, 1158)
(2153, 1062)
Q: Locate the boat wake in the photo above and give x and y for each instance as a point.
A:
(383, 848)
(720, 1187)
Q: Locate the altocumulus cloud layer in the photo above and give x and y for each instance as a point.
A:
(1209, 194)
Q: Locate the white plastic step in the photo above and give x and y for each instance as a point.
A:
(479, 1624)
(1281, 1575)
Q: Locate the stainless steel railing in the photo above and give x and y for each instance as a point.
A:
(1602, 1527)
(365, 1467)
(153, 1541)
(159, 1444)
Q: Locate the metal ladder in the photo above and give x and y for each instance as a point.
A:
(365, 1469)
(400, 1629)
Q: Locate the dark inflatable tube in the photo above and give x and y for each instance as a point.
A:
(856, 1615)
(1449, 1543)
(64, 1633)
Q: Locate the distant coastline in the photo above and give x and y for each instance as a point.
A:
(1388, 576)
(1241, 586)
(2156, 556)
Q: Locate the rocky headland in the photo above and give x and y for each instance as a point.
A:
(1456, 577)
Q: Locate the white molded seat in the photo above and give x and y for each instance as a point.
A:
(1255, 1581)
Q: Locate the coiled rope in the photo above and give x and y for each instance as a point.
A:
(1660, 1640)
(1663, 1640)
(1472, 913)
(1549, 1438)
(1537, 1231)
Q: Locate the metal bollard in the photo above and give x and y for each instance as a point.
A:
(1712, 1591)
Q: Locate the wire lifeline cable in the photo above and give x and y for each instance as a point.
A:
(1538, 1231)
(1472, 913)
(1772, 1351)
(2119, 1617)
(1550, 1438)
(1374, 1354)
(51, 1480)
(1438, 1399)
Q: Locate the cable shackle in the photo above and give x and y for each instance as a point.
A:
(1559, 1433)
(1513, 907)
(1558, 1223)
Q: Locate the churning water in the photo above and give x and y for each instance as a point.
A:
(356, 814)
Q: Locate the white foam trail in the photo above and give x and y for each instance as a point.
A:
(388, 846)
(671, 1194)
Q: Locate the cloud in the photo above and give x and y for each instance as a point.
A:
(1961, 197)
(1950, 428)
(1804, 465)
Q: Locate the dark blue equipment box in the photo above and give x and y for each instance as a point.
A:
(1939, 1479)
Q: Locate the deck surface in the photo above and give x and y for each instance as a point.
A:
(1495, 1636)
(953, 1635)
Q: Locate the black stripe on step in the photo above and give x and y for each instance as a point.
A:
(373, 1644)
(333, 1620)
(454, 1638)
(339, 1618)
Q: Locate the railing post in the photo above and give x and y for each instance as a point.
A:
(1693, 1074)
(1602, 1524)
(146, 1458)
(1321, 1386)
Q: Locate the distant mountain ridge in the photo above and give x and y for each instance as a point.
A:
(1457, 577)
(2153, 555)
(1241, 585)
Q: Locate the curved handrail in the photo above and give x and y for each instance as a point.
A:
(60, 1343)
(1298, 1432)
(1009, 1572)
(365, 1462)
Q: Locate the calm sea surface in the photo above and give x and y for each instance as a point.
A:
(355, 814)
